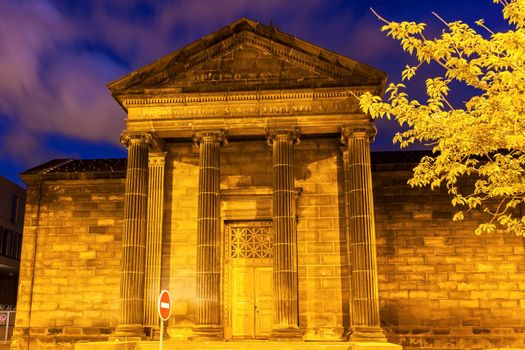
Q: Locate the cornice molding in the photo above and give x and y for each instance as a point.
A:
(185, 99)
(251, 194)
(248, 194)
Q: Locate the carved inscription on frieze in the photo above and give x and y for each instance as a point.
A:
(245, 109)
(239, 76)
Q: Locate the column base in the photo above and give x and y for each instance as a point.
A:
(367, 334)
(286, 334)
(130, 332)
(154, 333)
(207, 333)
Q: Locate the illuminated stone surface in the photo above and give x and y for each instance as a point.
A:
(433, 284)
(208, 322)
(362, 235)
(134, 236)
(285, 318)
(156, 165)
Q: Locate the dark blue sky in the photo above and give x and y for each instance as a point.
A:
(56, 58)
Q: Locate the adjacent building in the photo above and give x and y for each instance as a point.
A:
(250, 193)
(12, 201)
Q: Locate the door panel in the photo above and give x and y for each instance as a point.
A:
(249, 276)
(263, 301)
(242, 302)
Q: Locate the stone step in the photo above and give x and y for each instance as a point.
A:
(243, 345)
(265, 345)
(234, 345)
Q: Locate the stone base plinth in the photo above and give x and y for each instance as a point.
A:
(128, 332)
(207, 333)
(374, 346)
(266, 345)
(286, 334)
(235, 345)
(108, 345)
(245, 345)
(367, 335)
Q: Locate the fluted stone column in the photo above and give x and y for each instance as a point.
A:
(285, 316)
(362, 242)
(346, 180)
(152, 285)
(134, 236)
(208, 236)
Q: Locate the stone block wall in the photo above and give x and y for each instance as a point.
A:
(321, 241)
(69, 281)
(441, 286)
(180, 235)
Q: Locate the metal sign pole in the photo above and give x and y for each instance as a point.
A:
(161, 334)
(7, 325)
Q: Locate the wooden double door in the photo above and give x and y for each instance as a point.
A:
(251, 302)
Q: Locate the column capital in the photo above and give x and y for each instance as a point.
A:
(157, 158)
(283, 134)
(201, 136)
(151, 140)
(367, 132)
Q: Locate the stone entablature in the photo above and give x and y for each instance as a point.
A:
(246, 113)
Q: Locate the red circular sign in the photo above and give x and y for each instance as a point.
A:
(164, 305)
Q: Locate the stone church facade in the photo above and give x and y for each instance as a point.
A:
(250, 193)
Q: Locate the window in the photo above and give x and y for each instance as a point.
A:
(251, 242)
(14, 209)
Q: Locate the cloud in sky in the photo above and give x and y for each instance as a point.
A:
(56, 56)
(49, 86)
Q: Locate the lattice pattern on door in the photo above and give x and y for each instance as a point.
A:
(251, 242)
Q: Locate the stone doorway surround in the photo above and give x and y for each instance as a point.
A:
(248, 207)
(248, 296)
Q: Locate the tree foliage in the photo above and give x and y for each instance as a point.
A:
(484, 138)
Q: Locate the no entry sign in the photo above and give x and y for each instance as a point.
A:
(164, 305)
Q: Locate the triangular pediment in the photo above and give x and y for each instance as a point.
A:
(247, 56)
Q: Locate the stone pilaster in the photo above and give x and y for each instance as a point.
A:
(346, 180)
(208, 322)
(152, 285)
(365, 321)
(134, 236)
(285, 317)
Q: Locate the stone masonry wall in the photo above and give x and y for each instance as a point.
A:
(440, 285)
(180, 236)
(75, 286)
(321, 242)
